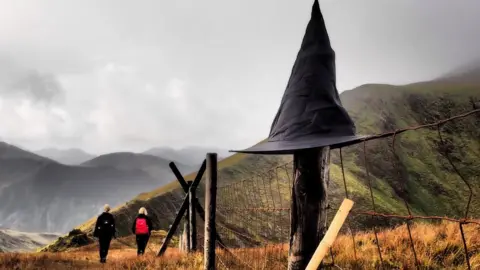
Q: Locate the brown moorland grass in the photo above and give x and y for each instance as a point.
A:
(437, 247)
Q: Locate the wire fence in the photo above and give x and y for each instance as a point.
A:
(397, 179)
(253, 213)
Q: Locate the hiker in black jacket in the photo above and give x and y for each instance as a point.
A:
(142, 228)
(104, 231)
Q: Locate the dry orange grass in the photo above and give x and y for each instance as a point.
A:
(117, 259)
(437, 247)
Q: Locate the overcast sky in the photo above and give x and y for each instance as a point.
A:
(121, 75)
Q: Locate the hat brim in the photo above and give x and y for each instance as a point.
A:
(290, 147)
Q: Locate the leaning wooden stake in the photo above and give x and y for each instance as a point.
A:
(174, 226)
(210, 204)
(331, 234)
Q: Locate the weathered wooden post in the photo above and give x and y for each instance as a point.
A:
(182, 241)
(308, 213)
(192, 219)
(310, 121)
(210, 204)
(187, 220)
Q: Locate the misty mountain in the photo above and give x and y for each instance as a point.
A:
(467, 74)
(13, 152)
(17, 164)
(15, 241)
(39, 194)
(156, 166)
(193, 155)
(72, 156)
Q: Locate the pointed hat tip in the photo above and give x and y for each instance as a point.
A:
(316, 8)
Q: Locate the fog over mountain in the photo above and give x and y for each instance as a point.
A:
(190, 155)
(39, 194)
(15, 241)
(71, 156)
(166, 73)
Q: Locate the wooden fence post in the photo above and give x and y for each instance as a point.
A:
(188, 227)
(192, 220)
(210, 204)
(182, 243)
(309, 205)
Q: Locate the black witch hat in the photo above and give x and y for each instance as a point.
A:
(311, 114)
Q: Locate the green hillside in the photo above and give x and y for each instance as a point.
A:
(420, 171)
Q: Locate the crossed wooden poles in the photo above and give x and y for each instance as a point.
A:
(190, 204)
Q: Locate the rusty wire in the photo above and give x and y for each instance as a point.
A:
(412, 217)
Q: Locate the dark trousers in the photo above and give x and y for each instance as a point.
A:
(142, 240)
(104, 245)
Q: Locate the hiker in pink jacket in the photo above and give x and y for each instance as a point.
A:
(142, 228)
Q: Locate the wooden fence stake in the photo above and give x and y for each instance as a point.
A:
(192, 219)
(183, 239)
(210, 204)
(331, 235)
(198, 206)
(180, 214)
(188, 227)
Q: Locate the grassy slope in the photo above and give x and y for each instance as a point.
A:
(420, 175)
(431, 185)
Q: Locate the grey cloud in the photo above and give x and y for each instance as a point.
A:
(234, 57)
(41, 87)
(16, 81)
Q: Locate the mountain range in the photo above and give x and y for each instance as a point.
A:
(50, 194)
(15, 241)
(73, 156)
(191, 155)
